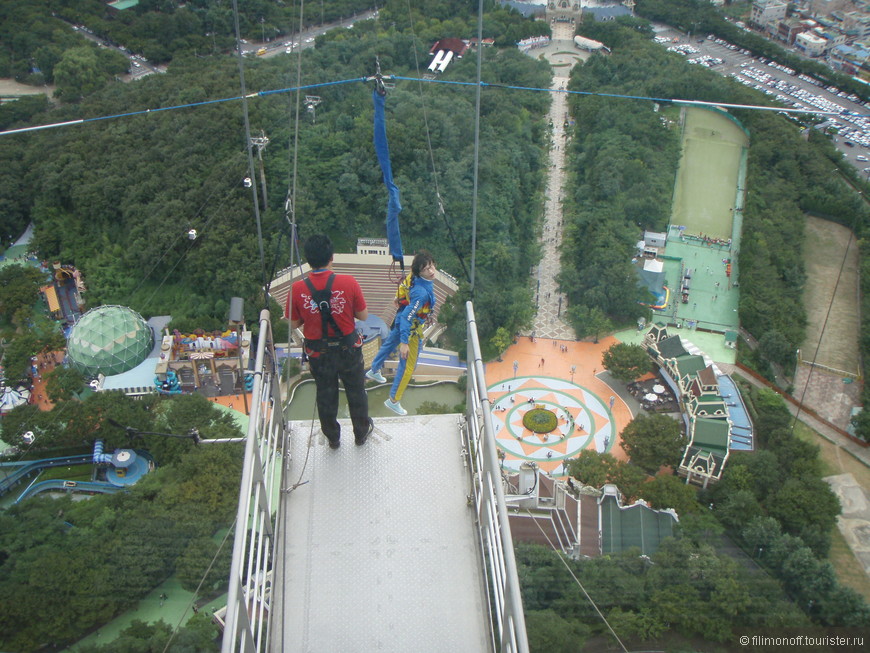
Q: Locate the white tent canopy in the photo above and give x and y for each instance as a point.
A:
(12, 398)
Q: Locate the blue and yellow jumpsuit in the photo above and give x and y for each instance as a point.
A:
(408, 329)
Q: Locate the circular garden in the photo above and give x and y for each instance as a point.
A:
(540, 420)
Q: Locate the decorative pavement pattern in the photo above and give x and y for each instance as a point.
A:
(584, 421)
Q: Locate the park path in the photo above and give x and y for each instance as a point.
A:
(830, 434)
(550, 304)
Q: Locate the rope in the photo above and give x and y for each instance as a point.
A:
(198, 587)
(476, 162)
(830, 305)
(439, 200)
(482, 84)
(129, 114)
(577, 580)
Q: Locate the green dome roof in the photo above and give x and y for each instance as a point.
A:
(109, 340)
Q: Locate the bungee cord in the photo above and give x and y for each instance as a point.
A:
(290, 203)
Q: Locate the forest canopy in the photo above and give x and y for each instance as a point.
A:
(117, 197)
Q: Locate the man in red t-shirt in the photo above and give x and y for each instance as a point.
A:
(337, 353)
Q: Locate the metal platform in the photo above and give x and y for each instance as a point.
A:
(377, 545)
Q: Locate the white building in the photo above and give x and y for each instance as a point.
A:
(811, 44)
(767, 11)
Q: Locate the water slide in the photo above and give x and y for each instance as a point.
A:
(13, 473)
(99, 456)
(69, 486)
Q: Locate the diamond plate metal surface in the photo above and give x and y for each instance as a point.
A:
(379, 546)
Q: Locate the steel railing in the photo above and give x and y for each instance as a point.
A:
(246, 618)
(506, 606)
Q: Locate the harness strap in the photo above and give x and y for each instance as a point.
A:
(323, 301)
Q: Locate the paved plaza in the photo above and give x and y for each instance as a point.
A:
(566, 377)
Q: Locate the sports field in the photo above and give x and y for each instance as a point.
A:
(705, 190)
(701, 263)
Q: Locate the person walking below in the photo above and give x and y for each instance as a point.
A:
(325, 304)
(416, 301)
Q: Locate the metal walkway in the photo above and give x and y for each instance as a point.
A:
(380, 552)
(402, 544)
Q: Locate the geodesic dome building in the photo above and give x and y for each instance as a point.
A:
(109, 340)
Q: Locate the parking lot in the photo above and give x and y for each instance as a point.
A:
(783, 84)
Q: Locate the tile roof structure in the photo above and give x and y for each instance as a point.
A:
(581, 522)
(712, 406)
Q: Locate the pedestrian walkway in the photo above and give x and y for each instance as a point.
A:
(830, 434)
(550, 304)
(547, 365)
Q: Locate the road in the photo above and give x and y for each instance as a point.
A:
(141, 67)
(303, 40)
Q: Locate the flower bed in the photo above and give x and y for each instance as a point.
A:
(540, 420)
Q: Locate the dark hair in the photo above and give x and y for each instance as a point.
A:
(318, 251)
(421, 259)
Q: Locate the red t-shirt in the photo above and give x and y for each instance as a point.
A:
(347, 300)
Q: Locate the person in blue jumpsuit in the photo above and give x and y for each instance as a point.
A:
(416, 300)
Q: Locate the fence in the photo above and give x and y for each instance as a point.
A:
(246, 617)
(492, 518)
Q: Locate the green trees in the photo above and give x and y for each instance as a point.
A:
(763, 501)
(41, 32)
(589, 321)
(596, 469)
(59, 571)
(626, 362)
(623, 164)
(653, 441)
(501, 340)
(62, 383)
(128, 233)
(669, 491)
(862, 420)
(810, 580)
(19, 289)
(79, 73)
(687, 590)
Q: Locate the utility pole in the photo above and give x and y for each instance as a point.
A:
(237, 320)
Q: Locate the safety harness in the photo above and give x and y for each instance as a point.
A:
(403, 299)
(323, 300)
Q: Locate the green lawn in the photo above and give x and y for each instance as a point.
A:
(706, 186)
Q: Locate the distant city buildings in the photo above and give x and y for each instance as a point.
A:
(836, 30)
(765, 12)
